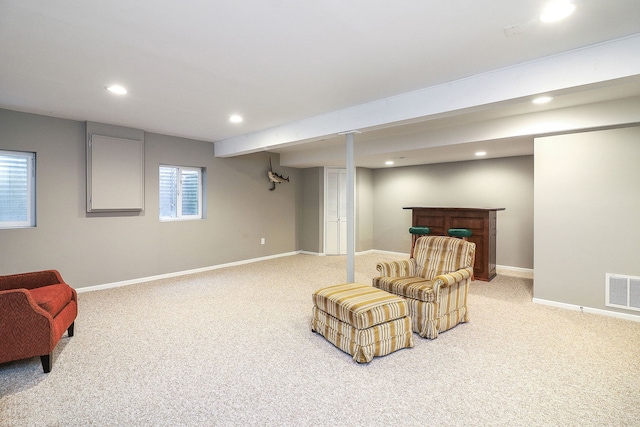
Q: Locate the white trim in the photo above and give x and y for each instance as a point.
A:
(625, 316)
(312, 253)
(178, 273)
(509, 271)
(369, 251)
(527, 273)
(505, 270)
(390, 252)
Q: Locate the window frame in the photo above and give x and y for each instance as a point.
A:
(30, 222)
(179, 199)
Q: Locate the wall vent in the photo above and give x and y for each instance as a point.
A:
(623, 291)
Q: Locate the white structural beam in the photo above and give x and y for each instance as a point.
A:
(619, 112)
(594, 64)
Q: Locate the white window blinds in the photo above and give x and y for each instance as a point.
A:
(17, 189)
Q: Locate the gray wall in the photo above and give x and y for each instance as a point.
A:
(586, 214)
(494, 183)
(364, 209)
(586, 207)
(311, 206)
(92, 249)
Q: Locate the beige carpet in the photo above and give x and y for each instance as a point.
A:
(233, 347)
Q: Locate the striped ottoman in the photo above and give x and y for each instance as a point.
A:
(362, 320)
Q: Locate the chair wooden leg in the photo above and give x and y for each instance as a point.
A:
(70, 330)
(46, 362)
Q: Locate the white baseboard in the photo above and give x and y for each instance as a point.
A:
(311, 253)
(509, 271)
(527, 273)
(370, 251)
(178, 273)
(390, 252)
(601, 312)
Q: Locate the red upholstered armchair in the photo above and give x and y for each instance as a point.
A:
(35, 310)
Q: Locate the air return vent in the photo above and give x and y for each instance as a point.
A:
(623, 291)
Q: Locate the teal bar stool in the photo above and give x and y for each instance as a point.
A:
(461, 233)
(415, 233)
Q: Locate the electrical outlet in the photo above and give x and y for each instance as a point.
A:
(262, 240)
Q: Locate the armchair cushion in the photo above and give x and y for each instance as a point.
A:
(412, 287)
(437, 255)
(418, 288)
(52, 298)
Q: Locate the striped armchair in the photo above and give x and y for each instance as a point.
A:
(434, 282)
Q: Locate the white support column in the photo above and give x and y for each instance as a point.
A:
(351, 203)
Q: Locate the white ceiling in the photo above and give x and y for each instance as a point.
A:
(189, 65)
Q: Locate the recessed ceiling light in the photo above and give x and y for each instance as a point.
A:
(388, 162)
(557, 10)
(481, 153)
(117, 89)
(235, 118)
(542, 100)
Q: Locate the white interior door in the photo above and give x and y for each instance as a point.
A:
(335, 211)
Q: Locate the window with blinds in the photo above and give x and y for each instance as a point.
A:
(180, 193)
(17, 189)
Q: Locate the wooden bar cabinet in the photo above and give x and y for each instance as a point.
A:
(481, 222)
